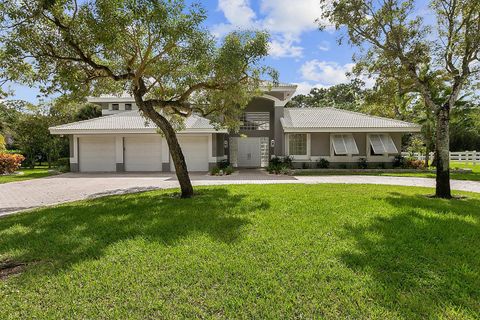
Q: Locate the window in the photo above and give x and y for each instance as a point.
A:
(128, 106)
(255, 121)
(115, 106)
(297, 144)
(381, 144)
(344, 144)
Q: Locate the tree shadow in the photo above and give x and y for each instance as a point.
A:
(74, 232)
(424, 262)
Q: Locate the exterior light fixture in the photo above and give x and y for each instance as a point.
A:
(272, 143)
(225, 144)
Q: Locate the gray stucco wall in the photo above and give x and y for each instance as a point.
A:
(320, 144)
(361, 140)
(261, 105)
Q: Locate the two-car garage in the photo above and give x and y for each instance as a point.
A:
(139, 153)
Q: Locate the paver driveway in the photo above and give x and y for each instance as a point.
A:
(19, 196)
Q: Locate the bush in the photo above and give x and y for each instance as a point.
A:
(362, 163)
(323, 164)
(223, 164)
(229, 170)
(2, 144)
(399, 161)
(215, 171)
(414, 164)
(9, 163)
(63, 164)
(278, 165)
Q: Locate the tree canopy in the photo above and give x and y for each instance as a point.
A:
(397, 43)
(158, 51)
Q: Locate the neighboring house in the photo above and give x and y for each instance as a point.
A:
(122, 140)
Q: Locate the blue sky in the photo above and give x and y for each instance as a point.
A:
(298, 50)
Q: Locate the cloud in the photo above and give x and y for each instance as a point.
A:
(283, 47)
(327, 73)
(324, 46)
(304, 87)
(286, 20)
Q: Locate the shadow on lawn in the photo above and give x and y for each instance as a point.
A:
(74, 232)
(425, 259)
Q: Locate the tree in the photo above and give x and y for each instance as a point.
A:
(88, 111)
(394, 39)
(346, 96)
(157, 50)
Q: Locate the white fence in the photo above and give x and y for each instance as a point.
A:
(464, 156)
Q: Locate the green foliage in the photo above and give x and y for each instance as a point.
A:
(88, 111)
(348, 96)
(2, 144)
(278, 165)
(215, 171)
(362, 163)
(258, 251)
(323, 163)
(156, 50)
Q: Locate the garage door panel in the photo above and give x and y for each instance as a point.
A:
(97, 154)
(195, 151)
(143, 153)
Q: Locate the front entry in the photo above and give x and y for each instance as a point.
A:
(249, 152)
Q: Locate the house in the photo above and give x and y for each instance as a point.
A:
(124, 141)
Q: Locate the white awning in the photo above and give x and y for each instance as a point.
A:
(382, 143)
(344, 144)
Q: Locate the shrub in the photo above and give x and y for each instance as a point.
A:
(399, 161)
(323, 164)
(228, 170)
(63, 164)
(9, 163)
(215, 171)
(362, 163)
(277, 164)
(224, 164)
(415, 164)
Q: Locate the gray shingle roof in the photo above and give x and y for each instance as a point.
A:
(128, 121)
(325, 118)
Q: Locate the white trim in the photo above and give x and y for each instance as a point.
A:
(54, 130)
(74, 159)
(119, 149)
(110, 99)
(341, 130)
(298, 157)
(277, 102)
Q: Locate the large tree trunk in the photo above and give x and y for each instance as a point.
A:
(427, 156)
(175, 150)
(442, 153)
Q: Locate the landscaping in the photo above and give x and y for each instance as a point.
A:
(458, 171)
(246, 251)
(27, 174)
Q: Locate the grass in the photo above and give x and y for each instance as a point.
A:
(28, 174)
(248, 251)
(473, 176)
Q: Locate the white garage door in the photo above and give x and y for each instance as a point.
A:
(143, 153)
(195, 150)
(97, 154)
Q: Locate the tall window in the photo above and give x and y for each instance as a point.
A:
(115, 106)
(297, 144)
(255, 121)
(128, 106)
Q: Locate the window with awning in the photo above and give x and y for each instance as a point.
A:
(344, 144)
(382, 143)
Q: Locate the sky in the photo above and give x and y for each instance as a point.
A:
(298, 50)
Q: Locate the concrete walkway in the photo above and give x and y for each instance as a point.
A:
(24, 195)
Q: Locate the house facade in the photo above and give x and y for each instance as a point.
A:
(124, 141)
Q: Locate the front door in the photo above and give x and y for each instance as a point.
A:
(249, 152)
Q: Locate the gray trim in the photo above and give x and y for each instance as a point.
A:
(70, 146)
(166, 166)
(74, 167)
(120, 167)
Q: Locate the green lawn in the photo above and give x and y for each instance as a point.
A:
(27, 174)
(473, 176)
(248, 251)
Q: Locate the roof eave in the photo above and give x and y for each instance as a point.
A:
(351, 129)
(60, 131)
